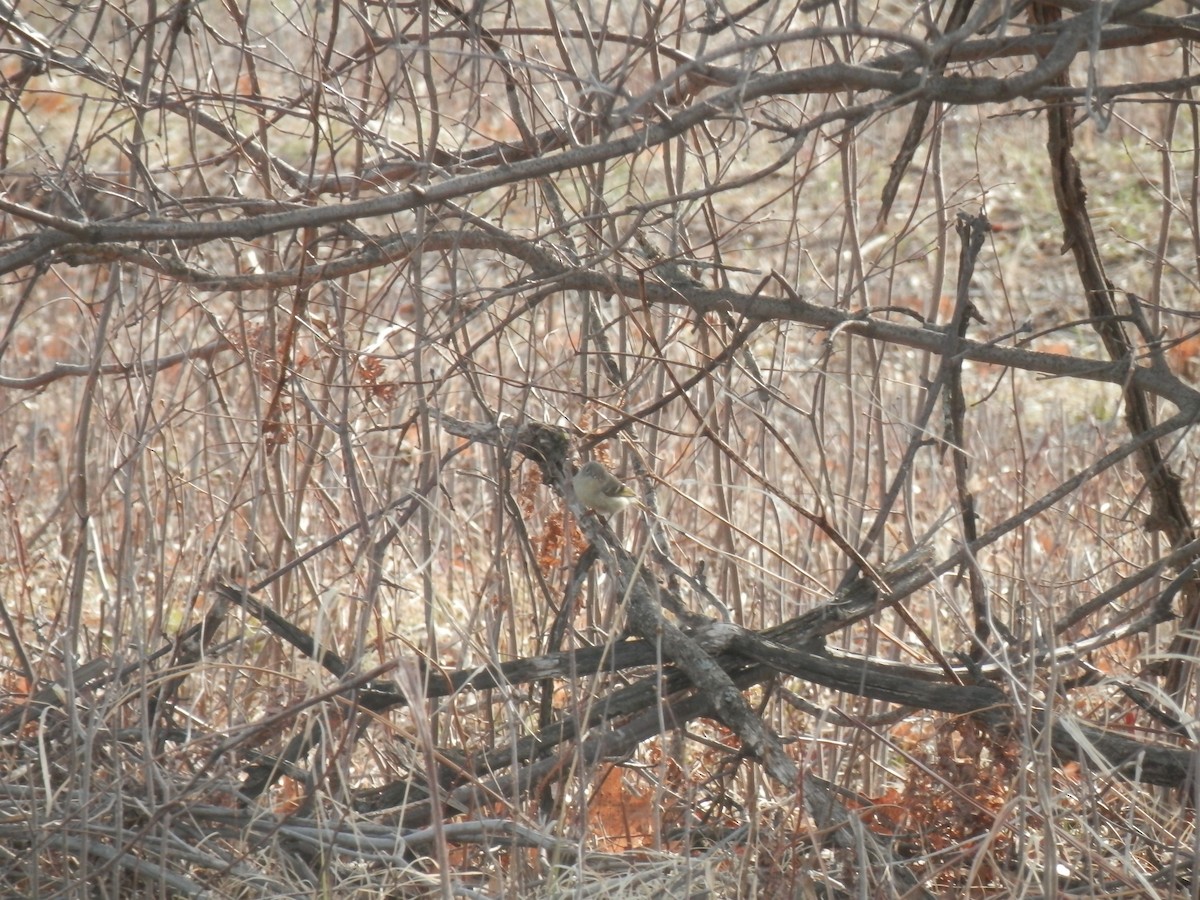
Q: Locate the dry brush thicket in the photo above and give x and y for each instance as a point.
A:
(309, 312)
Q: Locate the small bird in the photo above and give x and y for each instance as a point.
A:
(600, 490)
